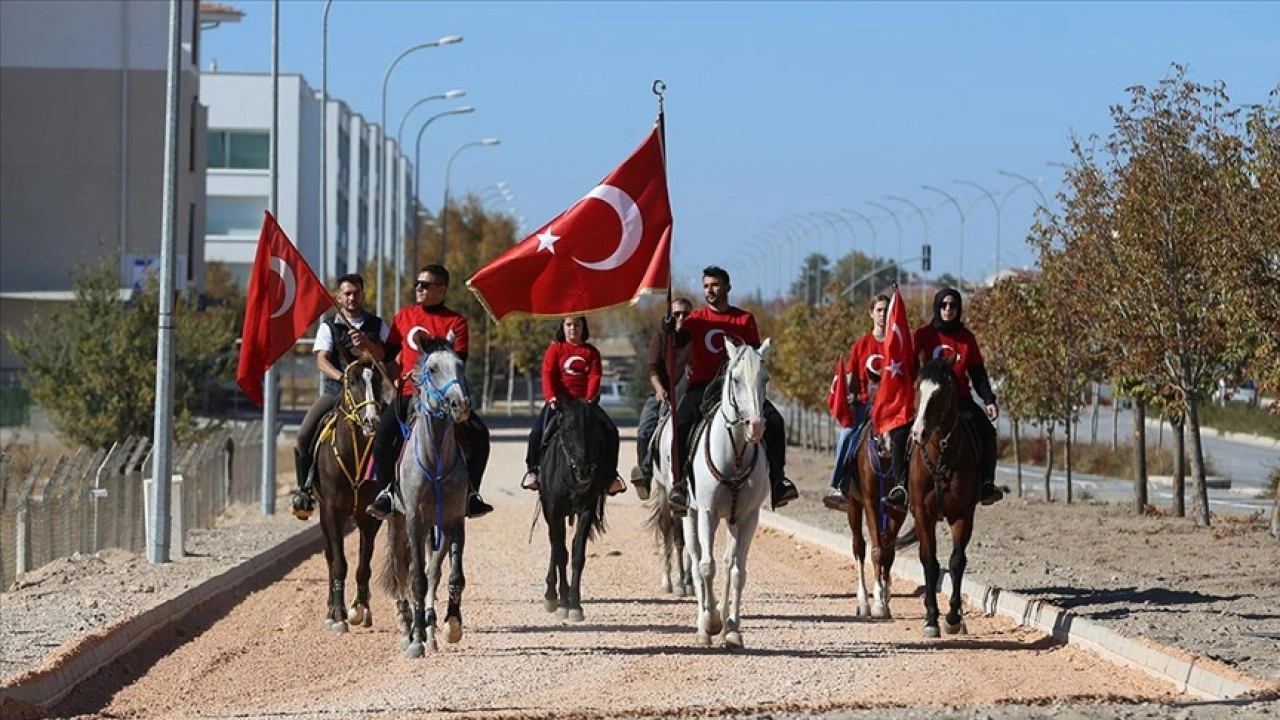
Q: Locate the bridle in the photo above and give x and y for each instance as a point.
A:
(742, 470)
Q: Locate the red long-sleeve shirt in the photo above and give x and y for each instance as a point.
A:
(706, 328)
(415, 324)
(865, 361)
(570, 370)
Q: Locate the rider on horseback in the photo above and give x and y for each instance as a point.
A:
(864, 369)
(946, 336)
(356, 330)
(663, 392)
(426, 319)
(571, 368)
(707, 357)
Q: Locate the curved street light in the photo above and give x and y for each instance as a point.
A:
(874, 259)
(998, 207)
(853, 239)
(450, 95)
(382, 204)
(960, 210)
(1035, 185)
(417, 169)
(444, 209)
(897, 263)
(324, 141)
(924, 220)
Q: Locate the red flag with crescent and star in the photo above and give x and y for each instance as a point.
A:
(285, 297)
(838, 399)
(606, 250)
(895, 401)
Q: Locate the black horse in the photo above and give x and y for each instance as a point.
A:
(572, 487)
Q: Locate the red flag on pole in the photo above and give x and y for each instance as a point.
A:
(895, 401)
(838, 399)
(607, 249)
(285, 297)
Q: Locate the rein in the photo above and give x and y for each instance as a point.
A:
(737, 479)
(349, 409)
(941, 469)
(433, 408)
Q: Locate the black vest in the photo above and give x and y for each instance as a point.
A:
(372, 329)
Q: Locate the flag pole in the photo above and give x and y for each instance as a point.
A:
(267, 486)
(659, 88)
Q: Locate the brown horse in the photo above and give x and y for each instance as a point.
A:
(944, 482)
(873, 461)
(343, 489)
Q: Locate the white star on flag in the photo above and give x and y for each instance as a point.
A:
(895, 368)
(547, 241)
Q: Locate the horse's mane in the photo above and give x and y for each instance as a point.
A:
(938, 371)
(434, 345)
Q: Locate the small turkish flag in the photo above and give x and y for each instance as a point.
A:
(895, 401)
(606, 250)
(838, 399)
(285, 297)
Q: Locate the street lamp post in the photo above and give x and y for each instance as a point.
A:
(417, 167)
(897, 264)
(1035, 185)
(874, 259)
(444, 209)
(924, 220)
(998, 207)
(853, 240)
(960, 210)
(324, 142)
(380, 203)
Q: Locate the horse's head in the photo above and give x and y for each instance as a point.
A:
(579, 434)
(743, 393)
(442, 383)
(363, 392)
(936, 400)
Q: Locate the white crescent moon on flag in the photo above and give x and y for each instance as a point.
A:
(632, 226)
(897, 331)
(937, 352)
(568, 365)
(413, 331)
(706, 341)
(281, 268)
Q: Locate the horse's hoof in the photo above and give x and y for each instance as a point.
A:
(864, 610)
(432, 645)
(733, 639)
(328, 623)
(704, 639)
(931, 631)
(550, 604)
(711, 625)
(881, 612)
(414, 650)
(454, 633)
(562, 612)
(678, 591)
(338, 627)
(575, 615)
(957, 629)
(357, 614)
(368, 619)
(404, 643)
(666, 586)
(689, 591)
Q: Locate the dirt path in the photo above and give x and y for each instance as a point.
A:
(635, 655)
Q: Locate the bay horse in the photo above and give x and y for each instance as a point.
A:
(572, 487)
(343, 452)
(668, 530)
(873, 461)
(431, 504)
(730, 483)
(943, 482)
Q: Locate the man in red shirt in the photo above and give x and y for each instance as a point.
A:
(705, 328)
(426, 319)
(946, 337)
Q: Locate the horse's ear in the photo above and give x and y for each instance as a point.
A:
(764, 346)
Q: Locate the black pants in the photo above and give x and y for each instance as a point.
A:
(648, 424)
(389, 439)
(775, 432)
(898, 437)
(987, 432)
(533, 452)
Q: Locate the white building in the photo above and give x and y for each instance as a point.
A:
(238, 182)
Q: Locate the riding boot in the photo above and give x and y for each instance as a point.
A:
(782, 491)
(679, 498)
(382, 505)
(897, 497)
(990, 493)
(302, 503)
(478, 441)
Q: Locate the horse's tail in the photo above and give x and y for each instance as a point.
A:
(660, 522)
(598, 527)
(394, 578)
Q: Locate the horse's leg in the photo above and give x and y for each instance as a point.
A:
(882, 553)
(586, 520)
(667, 535)
(709, 621)
(554, 598)
(742, 533)
(331, 522)
(435, 565)
(457, 582)
(961, 530)
(926, 531)
(859, 553)
(416, 530)
(684, 560)
(361, 613)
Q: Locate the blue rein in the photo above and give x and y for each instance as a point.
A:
(436, 394)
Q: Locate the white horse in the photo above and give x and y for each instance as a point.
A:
(677, 570)
(730, 483)
(433, 500)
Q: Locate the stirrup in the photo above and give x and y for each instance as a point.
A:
(897, 497)
(617, 483)
(530, 481)
(382, 506)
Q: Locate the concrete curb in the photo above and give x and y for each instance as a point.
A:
(45, 688)
(1203, 678)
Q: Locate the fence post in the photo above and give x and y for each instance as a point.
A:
(97, 492)
(22, 541)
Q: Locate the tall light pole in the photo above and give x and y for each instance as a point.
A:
(994, 204)
(853, 240)
(960, 210)
(444, 209)
(381, 203)
(924, 220)
(897, 264)
(417, 166)
(874, 259)
(1035, 185)
(324, 142)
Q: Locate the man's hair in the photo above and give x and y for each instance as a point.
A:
(879, 298)
(586, 329)
(716, 272)
(437, 270)
(353, 278)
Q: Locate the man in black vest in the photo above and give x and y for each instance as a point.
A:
(356, 329)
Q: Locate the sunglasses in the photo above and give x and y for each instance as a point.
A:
(948, 305)
(423, 285)
(680, 313)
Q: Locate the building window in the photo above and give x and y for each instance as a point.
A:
(239, 149)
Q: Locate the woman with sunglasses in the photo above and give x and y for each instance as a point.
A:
(947, 337)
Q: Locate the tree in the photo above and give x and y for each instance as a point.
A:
(95, 376)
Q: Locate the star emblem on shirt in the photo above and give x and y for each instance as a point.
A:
(547, 241)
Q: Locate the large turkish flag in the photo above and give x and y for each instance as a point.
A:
(895, 401)
(607, 249)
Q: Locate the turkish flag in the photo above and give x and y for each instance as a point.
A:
(838, 400)
(285, 297)
(895, 401)
(606, 250)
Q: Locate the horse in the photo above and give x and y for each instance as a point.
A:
(668, 530)
(343, 450)
(944, 481)
(874, 463)
(731, 483)
(572, 487)
(431, 504)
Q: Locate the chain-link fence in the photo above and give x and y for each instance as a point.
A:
(95, 499)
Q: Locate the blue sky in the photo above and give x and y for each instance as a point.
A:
(773, 109)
